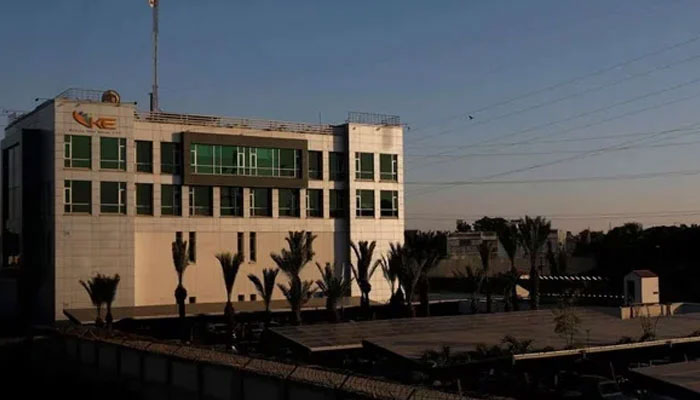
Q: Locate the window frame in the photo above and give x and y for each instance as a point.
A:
(253, 207)
(176, 196)
(174, 168)
(319, 211)
(121, 154)
(288, 212)
(193, 207)
(316, 173)
(141, 166)
(393, 175)
(68, 204)
(68, 159)
(121, 198)
(340, 198)
(149, 207)
(237, 210)
(361, 212)
(252, 247)
(392, 212)
(337, 159)
(362, 174)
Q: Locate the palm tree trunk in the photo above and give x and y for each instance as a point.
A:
(488, 294)
(180, 296)
(108, 317)
(516, 306)
(332, 308)
(425, 295)
(98, 319)
(228, 316)
(296, 314)
(535, 286)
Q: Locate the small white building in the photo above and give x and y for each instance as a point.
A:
(641, 287)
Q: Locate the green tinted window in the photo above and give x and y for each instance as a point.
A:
(389, 203)
(265, 161)
(77, 151)
(144, 156)
(113, 153)
(170, 158)
(315, 165)
(170, 200)
(77, 196)
(113, 197)
(337, 165)
(364, 203)
(260, 202)
(288, 202)
(388, 167)
(200, 200)
(314, 203)
(232, 201)
(364, 166)
(144, 199)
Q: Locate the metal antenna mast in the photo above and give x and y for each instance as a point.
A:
(154, 89)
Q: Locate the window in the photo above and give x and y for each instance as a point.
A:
(253, 297)
(178, 236)
(200, 200)
(239, 244)
(288, 202)
(241, 297)
(314, 203)
(315, 165)
(232, 201)
(113, 197)
(170, 158)
(193, 247)
(144, 198)
(170, 200)
(364, 203)
(364, 166)
(211, 159)
(113, 153)
(338, 204)
(253, 246)
(388, 167)
(389, 203)
(77, 152)
(337, 163)
(260, 203)
(78, 196)
(144, 156)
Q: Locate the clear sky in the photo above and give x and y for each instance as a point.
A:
(542, 79)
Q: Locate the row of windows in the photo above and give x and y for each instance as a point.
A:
(252, 243)
(226, 160)
(78, 199)
(78, 154)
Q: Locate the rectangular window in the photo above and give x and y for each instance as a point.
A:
(260, 202)
(232, 201)
(200, 200)
(288, 202)
(389, 203)
(337, 164)
(211, 159)
(388, 167)
(113, 197)
(77, 152)
(178, 236)
(113, 153)
(78, 196)
(315, 165)
(364, 166)
(364, 203)
(193, 247)
(314, 203)
(144, 156)
(253, 246)
(170, 158)
(170, 200)
(144, 198)
(338, 203)
(239, 244)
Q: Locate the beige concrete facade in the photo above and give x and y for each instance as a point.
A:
(138, 247)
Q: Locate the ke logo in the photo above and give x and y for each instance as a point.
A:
(87, 121)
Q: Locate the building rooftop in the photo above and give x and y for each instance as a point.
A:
(685, 376)
(644, 273)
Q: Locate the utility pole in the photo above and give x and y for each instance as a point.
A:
(154, 89)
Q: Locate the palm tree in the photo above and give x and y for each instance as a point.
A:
(265, 288)
(334, 285)
(180, 261)
(230, 265)
(485, 250)
(472, 279)
(408, 272)
(509, 238)
(533, 236)
(92, 289)
(363, 270)
(426, 248)
(291, 262)
(102, 289)
(509, 280)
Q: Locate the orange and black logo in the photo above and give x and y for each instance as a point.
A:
(87, 121)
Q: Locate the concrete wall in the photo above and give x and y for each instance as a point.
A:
(158, 371)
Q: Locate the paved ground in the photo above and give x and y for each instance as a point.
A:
(410, 338)
(685, 375)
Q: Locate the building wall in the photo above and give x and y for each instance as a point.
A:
(138, 248)
(650, 290)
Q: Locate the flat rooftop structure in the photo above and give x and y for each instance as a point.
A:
(411, 338)
(88, 315)
(682, 379)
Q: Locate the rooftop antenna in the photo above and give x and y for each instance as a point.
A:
(154, 89)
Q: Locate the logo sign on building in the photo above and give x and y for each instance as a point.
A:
(90, 122)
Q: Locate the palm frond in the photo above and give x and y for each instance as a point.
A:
(230, 265)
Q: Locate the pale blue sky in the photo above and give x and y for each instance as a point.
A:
(427, 62)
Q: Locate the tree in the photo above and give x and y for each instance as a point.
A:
(230, 265)
(102, 289)
(333, 285)
(408, 271)
(566, 323)
(485, 251)
(463, 226)
(265, 288)
(472, 283)
(533, 235)
(292, 262)
(509, 238)
(426, 248)
(562, 260)
(180, 261)
(487, 224)
(508, 282)
(363, 271)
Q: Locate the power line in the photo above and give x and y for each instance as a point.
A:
(574, 79)
(563, 98)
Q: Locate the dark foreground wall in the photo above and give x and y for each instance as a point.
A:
(150, 370)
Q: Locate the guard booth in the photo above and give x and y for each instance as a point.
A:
(641, 287)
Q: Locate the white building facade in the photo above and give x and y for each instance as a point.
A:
(92, 185)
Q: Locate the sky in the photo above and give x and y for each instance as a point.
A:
(585, 112)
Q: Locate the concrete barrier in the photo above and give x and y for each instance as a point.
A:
(170, 371)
